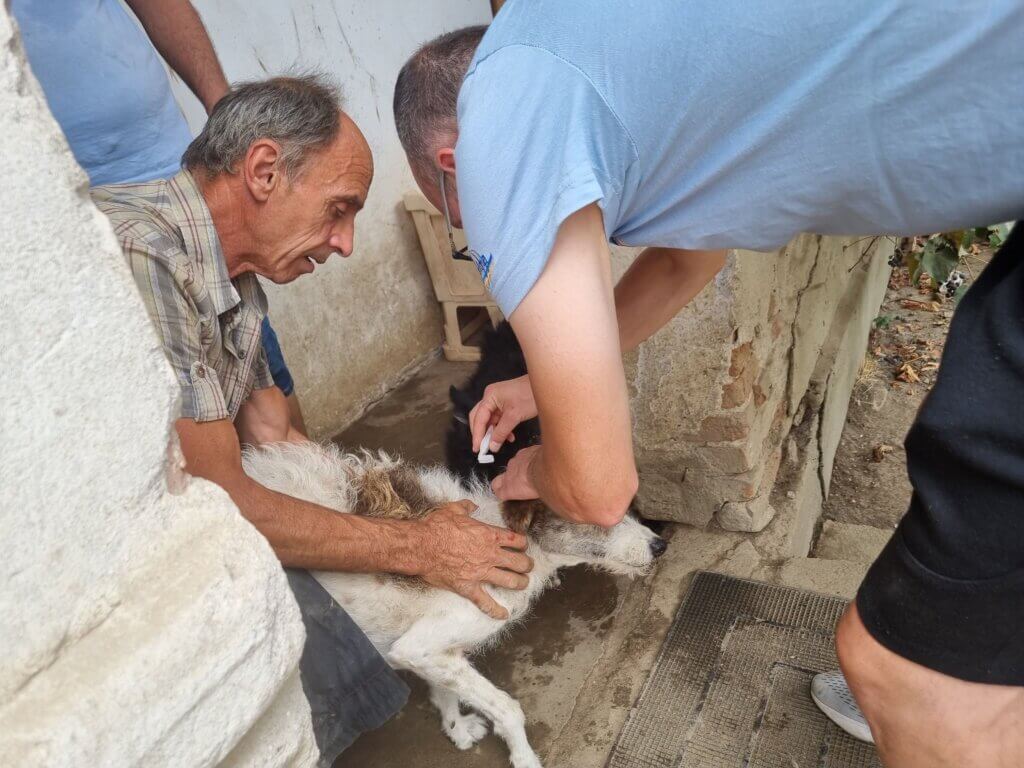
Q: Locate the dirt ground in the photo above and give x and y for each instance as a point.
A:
(869, 481)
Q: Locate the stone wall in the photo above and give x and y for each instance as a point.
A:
(358, 326)
(144, 622)
(755, 376)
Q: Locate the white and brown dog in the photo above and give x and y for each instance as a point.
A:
(431, 631)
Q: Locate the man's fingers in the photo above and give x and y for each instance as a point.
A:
(515, 561)
(503, 429)
(498, 483)
(509, 539)
(485, 602)
(502, 578)
(479, 420)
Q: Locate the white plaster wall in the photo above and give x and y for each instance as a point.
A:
(143, 620)
(354, 327)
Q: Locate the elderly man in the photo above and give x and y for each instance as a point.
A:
(708, 125)
(272, 187)
(109, 91)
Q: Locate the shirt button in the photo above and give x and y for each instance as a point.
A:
(201, 372)
(241, 355)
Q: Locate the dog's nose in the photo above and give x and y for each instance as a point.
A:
(658, 546)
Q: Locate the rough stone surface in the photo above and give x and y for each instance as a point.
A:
(751, 515)
(829, 577)
(359, 326)
(716, 393)
(144, 621)
(848, 541)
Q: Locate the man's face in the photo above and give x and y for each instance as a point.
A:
(310, 217)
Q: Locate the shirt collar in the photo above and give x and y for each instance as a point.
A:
(202, 245)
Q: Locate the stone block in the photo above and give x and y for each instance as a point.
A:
(145, 622)
(715, 394)
(752, 515)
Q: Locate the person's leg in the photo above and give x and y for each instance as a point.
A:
(282, 376)
(933, 649)
(351, 689)
(921, 718)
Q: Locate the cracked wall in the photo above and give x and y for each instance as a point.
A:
(777, 338)
(358, 326)
(144, 621)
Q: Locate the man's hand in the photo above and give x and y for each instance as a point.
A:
(516, 482)
(461, 554)
(504, 405)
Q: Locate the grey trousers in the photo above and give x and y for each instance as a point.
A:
(351, 689)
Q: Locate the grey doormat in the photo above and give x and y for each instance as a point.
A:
(730, 687)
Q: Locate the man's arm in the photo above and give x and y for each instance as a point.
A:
(177, 32)
(567, 327)
(446, 548)
(657, 285)
(266, 418)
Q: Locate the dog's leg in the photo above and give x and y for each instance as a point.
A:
(464, 730)
(429, 653)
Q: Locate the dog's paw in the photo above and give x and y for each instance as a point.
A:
(525, 759)
(465, 730)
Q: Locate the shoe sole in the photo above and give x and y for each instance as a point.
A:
(855, 728)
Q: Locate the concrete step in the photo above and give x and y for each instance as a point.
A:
(847, 541)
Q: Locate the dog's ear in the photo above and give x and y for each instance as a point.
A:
(462, 401)
(520, 515)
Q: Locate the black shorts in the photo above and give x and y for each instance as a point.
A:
(948, 590)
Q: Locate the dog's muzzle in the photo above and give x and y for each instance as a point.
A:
(658, 546)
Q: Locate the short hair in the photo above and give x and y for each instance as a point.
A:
(301, 113)
(427, 90)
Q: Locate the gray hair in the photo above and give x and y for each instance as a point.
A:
(427, 91)
(301, 113)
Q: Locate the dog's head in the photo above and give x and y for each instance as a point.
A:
(628, 548)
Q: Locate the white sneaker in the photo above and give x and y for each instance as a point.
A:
(830, 692)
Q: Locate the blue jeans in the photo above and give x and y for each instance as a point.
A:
(278, 367)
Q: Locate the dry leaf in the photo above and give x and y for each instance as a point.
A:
(927, 306)
(879, 451)
(907, 373)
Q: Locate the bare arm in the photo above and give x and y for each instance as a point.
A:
(447, 548)
(659, 283)
(266, 418)
(178, 34)
(567, 327)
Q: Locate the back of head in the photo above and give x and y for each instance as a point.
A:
(302, 114)
(427, 91)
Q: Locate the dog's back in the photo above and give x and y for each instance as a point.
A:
(375, 485)
(501, 359)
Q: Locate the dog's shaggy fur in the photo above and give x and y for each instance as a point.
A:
(501, 358)
(431, 631)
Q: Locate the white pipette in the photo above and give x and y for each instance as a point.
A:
(484, 456)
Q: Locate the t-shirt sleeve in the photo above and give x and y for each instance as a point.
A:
(537, 143)
(161, 277)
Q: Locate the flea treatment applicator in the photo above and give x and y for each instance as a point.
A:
(485, 445)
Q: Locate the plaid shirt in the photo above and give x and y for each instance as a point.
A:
(209, 325)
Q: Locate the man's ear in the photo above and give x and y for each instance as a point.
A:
(445, 158)
(261, 168)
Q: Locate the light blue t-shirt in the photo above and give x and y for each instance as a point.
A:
(106, 87)
(736, 124)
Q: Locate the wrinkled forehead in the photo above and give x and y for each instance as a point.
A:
(345, 167)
